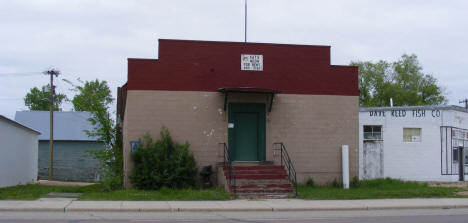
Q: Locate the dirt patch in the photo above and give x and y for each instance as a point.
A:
(62, 195)
(63, 183)
(457, 184)
(463, 193)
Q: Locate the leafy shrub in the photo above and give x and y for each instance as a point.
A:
(310, 182)
(163, 163)
(336, 183)
(355, 182)
(111, 157)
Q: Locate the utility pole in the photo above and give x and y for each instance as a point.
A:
(51, 72)
(464, 101)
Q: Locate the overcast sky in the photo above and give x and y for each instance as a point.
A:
(93, 38)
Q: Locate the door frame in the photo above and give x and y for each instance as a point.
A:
(248, 107)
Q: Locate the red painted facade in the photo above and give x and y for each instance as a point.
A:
(207, 66)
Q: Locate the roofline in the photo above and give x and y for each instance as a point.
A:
(425, 107)
(233, 42)
(133, 58)
(19, 125)
(339, 65)
(70, 140)
(55, 111)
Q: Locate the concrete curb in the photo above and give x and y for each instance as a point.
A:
(36, 205)
(70, 205)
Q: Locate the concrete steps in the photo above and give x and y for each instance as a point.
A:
(266, 181)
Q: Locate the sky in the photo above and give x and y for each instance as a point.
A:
(92, 39)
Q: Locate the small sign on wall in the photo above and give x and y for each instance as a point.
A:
(460, 134)
(134, 145)
(251, 62)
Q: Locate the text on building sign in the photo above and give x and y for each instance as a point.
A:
(251, 62)
(415, 113)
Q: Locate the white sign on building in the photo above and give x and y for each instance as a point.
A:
(251, 62)
(460, 134)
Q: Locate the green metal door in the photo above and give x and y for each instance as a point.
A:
(247, 131)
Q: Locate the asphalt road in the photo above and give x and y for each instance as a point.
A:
(383, 216)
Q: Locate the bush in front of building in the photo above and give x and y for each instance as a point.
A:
(336, 183)
(310, 182)
(163, 163)
(355, 182)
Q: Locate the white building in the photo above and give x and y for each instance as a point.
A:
(417, 143)
(18, 153)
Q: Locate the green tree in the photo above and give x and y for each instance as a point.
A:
(402, 80)
(92, 96)
(95, 97)
(39, 100)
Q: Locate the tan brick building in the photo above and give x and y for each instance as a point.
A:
(249, 96)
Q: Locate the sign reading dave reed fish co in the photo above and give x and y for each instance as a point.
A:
(251, 62)
(415, 113)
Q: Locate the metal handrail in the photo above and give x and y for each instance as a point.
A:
(289, 165)
(228, 163)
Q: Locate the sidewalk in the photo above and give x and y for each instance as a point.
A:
(71, 205)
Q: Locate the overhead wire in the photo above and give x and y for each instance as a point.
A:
(21, 74)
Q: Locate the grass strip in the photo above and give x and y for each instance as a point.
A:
(94, 192)
(377, 189)
(35, 191)
(366, 189)
(164, 194)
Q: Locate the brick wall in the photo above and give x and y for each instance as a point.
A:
(207, 66)
(313, 127)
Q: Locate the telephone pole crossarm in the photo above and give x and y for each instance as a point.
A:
(465, 102)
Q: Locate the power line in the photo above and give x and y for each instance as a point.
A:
(21, 74)
(10, 98)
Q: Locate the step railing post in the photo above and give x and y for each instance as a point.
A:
(292, 175)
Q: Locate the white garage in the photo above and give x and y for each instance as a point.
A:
(18, 153)
(417, 143)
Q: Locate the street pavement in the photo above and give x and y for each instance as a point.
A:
(349, 216)
(272, 205)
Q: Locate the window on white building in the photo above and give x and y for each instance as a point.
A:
(455, 155)
(372, 132)
(411, 134)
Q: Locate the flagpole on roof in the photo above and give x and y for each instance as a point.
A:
(245, 22)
